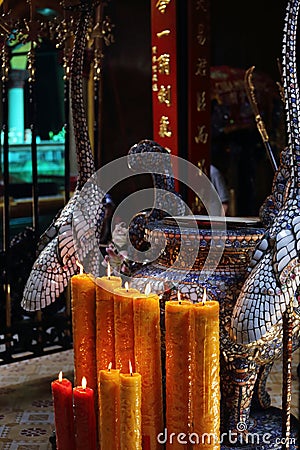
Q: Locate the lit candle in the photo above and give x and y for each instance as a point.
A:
(83, 294)
(85, 419)
(62, 394)
(124, 333)
(130, 411)
(8, 305)
(109, 409)
(147, 350)
(179, 351)
(105, 334)
(206, 383)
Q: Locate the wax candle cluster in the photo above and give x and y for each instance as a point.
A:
(114, 327)
(192, 373)
(74, 412)
(120, 409)
(125, 325)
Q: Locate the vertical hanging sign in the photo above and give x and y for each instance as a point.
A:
(187, 86)
(199, 105)
(199, 83)
(164, 74)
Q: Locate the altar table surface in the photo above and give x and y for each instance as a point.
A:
(26, 407)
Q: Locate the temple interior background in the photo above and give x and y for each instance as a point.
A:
(241, 36)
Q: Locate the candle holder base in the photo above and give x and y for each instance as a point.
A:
(265, 433)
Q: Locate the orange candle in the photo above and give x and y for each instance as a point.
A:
(83, 294)
(206, 383)
(109, 409)
(147, 350)
(179, 352)
(124, 333)
(130, 411)
(105, 334)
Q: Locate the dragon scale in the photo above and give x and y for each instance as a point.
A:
(274, 276)
(253, 338)
(57, 256)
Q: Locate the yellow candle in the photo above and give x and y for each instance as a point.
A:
(109, 409)
(179, 352)
(124, 333)
(105, 334)
(130, 411)
(147, 350)
(83, 294)
(206, 383)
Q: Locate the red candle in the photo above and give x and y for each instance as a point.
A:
(62, 394)
(85, 418)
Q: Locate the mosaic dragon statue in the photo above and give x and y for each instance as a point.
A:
(58, 249)
(163, 204)
(56, 262)
(274, 279)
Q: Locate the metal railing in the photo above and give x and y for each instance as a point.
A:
(22, 334)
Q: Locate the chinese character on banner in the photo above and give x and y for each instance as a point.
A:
(201, 34)
(154, 69)
(161, 5)
(164, 95)
(164, 130)
(202, 135)
(201, 67)
(201, 101)
(202, 4)
(164, 64)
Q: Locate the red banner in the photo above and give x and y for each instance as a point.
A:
(164, 74)
(199, 98)
(199, 133)
(181, 27)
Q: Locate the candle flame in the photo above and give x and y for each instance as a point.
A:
(179, 297)
(147, 289)
(80, 267)
(60, 376)
(204, 296)
(7, 293)
(83, 383)
(130, 368)
(127, 286)
(109, 366)
(108, 270)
